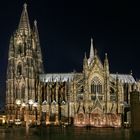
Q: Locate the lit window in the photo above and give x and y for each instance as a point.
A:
(96, 86)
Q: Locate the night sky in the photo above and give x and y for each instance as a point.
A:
(65, 28)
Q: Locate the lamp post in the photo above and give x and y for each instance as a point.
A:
(63, 103)
(89, 109)
(27, 115)
(44, 110)
(23, 105)
(31, 102)
(18, 103)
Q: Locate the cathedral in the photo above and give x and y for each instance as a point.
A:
(93, 97)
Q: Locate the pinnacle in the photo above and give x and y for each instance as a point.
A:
(24, 25)
(91, 50)
(92, 40)
(35, 22)
(25, 6)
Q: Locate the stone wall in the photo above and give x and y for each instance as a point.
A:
(135, 110)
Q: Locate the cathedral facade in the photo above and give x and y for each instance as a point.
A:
(94, 97)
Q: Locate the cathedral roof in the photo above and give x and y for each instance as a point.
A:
(124, 78)
(56, 77)
(64, 77)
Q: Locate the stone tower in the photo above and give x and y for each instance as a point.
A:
(24, 66)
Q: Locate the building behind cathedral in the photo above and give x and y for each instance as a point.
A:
(92, 97)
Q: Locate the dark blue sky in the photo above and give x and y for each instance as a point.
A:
(65, 29)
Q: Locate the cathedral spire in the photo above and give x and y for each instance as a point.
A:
(91, 55)
(24, 25)
(85, 59)
(37, 47)
(106, 59)
(85, 64)
(36, 31)
(106, 63)
(36, 36)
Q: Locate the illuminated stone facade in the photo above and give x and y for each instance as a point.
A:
(24, 67)
(93, 97)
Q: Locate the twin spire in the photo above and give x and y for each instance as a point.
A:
(24, 24)
(35, 29)
(24, 27)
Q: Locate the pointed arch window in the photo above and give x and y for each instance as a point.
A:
(19, 69)
(96, 86)
(19, 49)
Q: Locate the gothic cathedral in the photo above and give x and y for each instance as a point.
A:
(24, 66)
(93, 97)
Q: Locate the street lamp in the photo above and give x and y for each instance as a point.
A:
(18, 103)
(44, 110)
(63, 103)
(31, 102)
(23, 105)
(89, 109)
